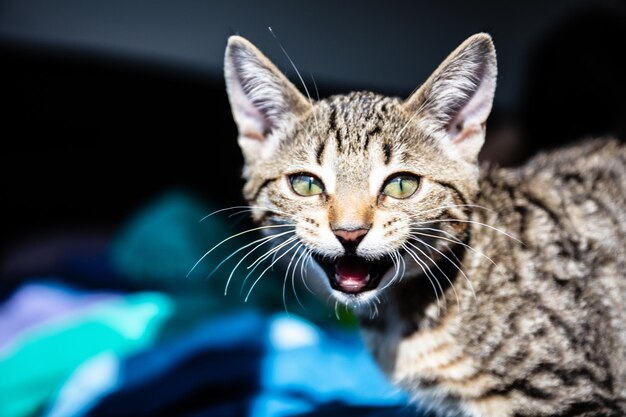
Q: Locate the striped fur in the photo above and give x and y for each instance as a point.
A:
(513, 298)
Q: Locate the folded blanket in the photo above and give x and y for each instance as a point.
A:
(74, 353)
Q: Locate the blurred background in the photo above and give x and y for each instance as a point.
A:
(117, 139)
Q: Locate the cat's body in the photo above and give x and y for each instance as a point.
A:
(483, 293)
(545, 334)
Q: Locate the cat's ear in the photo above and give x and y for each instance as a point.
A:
(456, 100)
(261, 97)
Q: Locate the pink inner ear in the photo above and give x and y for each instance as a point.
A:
(467, 130)
(251, 122)
(252, 134)
(472, 117)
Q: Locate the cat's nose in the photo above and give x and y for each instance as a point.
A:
(350, 238)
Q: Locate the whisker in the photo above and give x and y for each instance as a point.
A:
(232, 237)
(397, 265)
(419, 263)
(456, 295)
(317, 93)
(292, 63)
(263, 239)
(476, 223)
(267, 269)
(295, 293)
(449, 260)
(270, 253)
(295, 267)
(305, 260)
(375, 304)
(232, 272)
(263, 257)
(299, 76)
(250, 208)
(403, 266)
(417, 112)
(304, 271)
(459, 242)
(458, 206)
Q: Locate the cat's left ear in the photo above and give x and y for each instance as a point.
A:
(261, 97)
(456, 100)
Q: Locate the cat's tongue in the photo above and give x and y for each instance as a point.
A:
(352, 274)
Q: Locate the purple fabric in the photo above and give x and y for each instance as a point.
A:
(34, 304)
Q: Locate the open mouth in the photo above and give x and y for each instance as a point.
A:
(354, 274)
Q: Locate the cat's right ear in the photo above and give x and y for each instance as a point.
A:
(455, 101)
(261, 97)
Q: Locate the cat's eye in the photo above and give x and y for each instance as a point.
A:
(306, 185)
(401, 186)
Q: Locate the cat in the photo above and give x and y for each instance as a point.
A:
(481, 291)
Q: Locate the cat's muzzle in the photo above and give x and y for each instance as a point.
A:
(354, 274)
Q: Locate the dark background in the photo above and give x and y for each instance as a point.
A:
(106, 105)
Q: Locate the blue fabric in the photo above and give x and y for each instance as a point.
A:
(213, 370)
(243, 364)
(240, 364)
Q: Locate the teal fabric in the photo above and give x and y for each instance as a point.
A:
(34, 366)
(161, 243)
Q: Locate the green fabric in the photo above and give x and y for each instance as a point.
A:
(36, 364)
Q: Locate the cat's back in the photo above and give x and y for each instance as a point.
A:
(577, 192)
(568, 207)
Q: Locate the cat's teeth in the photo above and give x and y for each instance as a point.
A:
(351, 284)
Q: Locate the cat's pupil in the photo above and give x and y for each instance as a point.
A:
(306, 185)
(401, 186)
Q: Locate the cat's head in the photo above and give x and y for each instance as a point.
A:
(369, 183)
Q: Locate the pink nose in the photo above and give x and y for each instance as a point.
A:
(350, 239)
(351, 235)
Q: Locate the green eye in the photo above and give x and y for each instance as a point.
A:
(401, 186)
(306, 185)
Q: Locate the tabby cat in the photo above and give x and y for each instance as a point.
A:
(480, 291)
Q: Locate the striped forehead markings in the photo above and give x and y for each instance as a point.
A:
(319, 153)
(368, 135)
(358, 110)
(387, 153)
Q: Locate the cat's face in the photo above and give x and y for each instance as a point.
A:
(366, 182)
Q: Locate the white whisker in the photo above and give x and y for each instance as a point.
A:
(263, 257)
(232, 237)
(263, 239)
(304, 269)
(459, 242)
(456, 295)
(449, 260)
(419, 263)
(232, 272)
(396, 262)
(266, 269)
(270, 252)
(458, 206)
(244, 208)
(299, 76)
(295, 293)
(476, 223)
